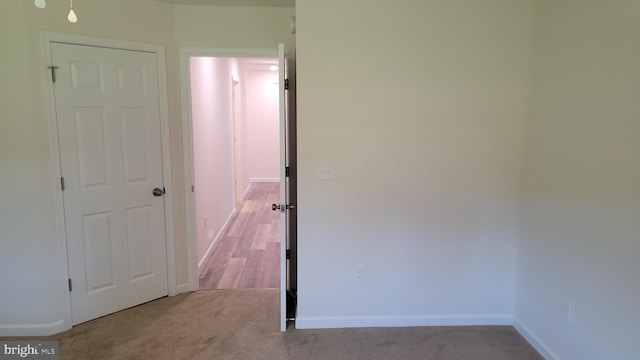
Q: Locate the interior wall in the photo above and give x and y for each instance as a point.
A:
(261, 127)
(233, 27)
(238, 112)
(213, 157)
(419, 109)
(32, 302)
(27, 221)
(581, 218)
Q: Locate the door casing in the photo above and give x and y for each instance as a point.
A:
(47, 39)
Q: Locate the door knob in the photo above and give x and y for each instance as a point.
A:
(158, 192)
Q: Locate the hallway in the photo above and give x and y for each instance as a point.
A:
(248, 255)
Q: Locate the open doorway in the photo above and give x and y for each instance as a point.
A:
(236, 168)
(233, 64)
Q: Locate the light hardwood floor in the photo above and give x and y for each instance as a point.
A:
(248, 255)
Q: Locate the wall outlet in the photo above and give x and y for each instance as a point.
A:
(571, 312)
(359, 273)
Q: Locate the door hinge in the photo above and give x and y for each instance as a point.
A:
(193, 188)
(164, 191)
(70, 286)
(288, 256)
(53, 72)
(62, 183)
(287, 171)
(286, 84)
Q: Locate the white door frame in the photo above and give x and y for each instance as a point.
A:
(185, 54)
(47, 39)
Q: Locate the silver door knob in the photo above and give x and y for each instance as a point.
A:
(158, 192)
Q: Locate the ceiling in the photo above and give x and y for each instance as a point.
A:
(277, 3)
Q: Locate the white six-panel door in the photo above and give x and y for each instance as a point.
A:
(107, 108)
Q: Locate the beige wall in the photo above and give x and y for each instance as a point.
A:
(420, 105)
(232, 27)
(581, 214)
(30, 288)
(29, 235)
(144, 21)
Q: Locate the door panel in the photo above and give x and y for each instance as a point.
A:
(134, 144)
(90, 138)
(288, 195)
(98, 242)
(107, 108)
(292, 186)
(139, 241)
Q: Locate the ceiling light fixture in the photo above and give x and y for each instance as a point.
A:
(73, 18)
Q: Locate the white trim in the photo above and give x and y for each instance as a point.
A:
(402, 321)
(33, 329)
(185, 53)
(534, 340)
(188, 52)
(61, 234)
(182, 288)
(218, 236)
(47, 39)
(163, 96)
(282, 111)
(264, 180)
(246, 192)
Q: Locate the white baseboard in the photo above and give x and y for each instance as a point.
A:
(215, 239)
(246, 192)
(401, 321)
(34, 329)
(267, 180)
(182, 288)
(534, 340)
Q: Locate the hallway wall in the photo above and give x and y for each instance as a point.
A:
(213, 146)
(261, 135)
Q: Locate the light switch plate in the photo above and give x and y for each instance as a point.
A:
(325, 171)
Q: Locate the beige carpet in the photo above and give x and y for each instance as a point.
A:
(244, 325)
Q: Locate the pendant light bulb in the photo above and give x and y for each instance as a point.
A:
(73, 18)
(41, 4)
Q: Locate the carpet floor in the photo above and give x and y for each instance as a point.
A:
(244, 325)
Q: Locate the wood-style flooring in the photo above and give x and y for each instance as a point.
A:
(248, 254)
